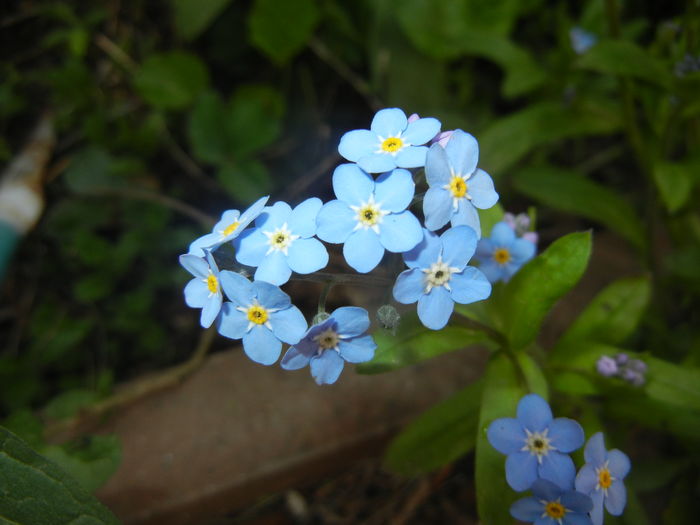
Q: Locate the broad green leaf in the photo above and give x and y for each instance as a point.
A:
(254, 119)
(281, 29)
(536, 382)
(194, 16)
(437, 437)
(568, 191)
(675, 182)
(245, 181)
(90, 461)
(488, 218)
(612, 315)
(625, 59)
(36, 491)
(171, 80)
(576, 366)
(92, 169)
(651, 413)
(206, 129)
(532, 292)
(673, 384)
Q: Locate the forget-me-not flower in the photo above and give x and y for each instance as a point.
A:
(537, 445)
(392, 141)
(369, 216)
(502, 254)
(438, 276)
(457, 186)
(327, 345)
(601, 478)
(552, 505)
(204, 291)
(231, 224)
(282, 241)
(261, 314)
(581, 40)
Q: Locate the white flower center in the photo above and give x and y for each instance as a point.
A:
(439, 274)
(327, 340)
(280, 239)
(369, 214)
(538, 444)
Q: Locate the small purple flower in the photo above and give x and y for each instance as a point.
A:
(327, 345)
(552, 505)
(601, 478)
(537, 445)
(606, 366)
(502, 254)
(204, 290)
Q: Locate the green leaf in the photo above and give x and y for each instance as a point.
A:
(254, 118)
(92, 169)
(489, 217)
(568, 191)
(245, 181)
(194, 16)
(532, 292)
(675, 182)
(437, 437)
(69, 402)
(281, 29)
(625, 59)
(36, 491)
(673, 384)
(535, 379)
(206, 129)
(171, 80)
(91, 461)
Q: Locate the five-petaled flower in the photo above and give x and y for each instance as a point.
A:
(552, 505)
(327, 345)
(502, 254)
(457, 187)
(391, 142)
(282, 241)
(261, 314)
(230, 226)
(204, 291)
(601, 478)
(369, 216)
(537, 445)
(438, 276)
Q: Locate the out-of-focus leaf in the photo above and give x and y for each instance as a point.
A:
(254, 118)
(205, 128)
(439, 436)
(532, 292)
(536, 382)
(245, 181)
(280, 29)
(489, 217)
(92, 169)
(194, 16)
(25, 425)
(69, 402)
(171, 80)
(90, 461)
(653, 474)
(675, 182)
(36, 491)
(683, 503)
(673, 384)
(655, 414)
(569, 191)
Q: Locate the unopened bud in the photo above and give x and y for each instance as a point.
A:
(389, 317)
(320, 317)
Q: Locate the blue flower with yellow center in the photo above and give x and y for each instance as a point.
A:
(204, 291)
(501, 255)
(552, 505)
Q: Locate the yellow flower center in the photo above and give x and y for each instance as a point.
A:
(231, 228)
(458, 186)
(554, 510)
(392, 144)
(501, 256)
(257, 314)
(212, 283)
(327, 339)
(369, 214)
(604, 478)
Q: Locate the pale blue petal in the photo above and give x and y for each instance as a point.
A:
(527, 509)
(197, 266)
(594, 451)
(307, 256)
(208, 241)
(522, 251)
(358, 143)
(409, 286)
(425, 253)
(458, 245)
(484, 249)
(566, 434)
(352, 321)
(586, 479)
(558, 468)
(573, 518)
(288, 325)
(232, 323)
(227, 218)
(468, 216)
(545, 489)
(435, 308)
(437, 167)
(277, 215)
(357, 349)
(597, 511)
(389, 122)
(274, 269)
(251, 247)
(469, 286)
(576, 501)
(437, 207)
(534, 413)
(270, 296)
(506, 435)
(352, 185)
(400, 232)
(363, 251)
(252, 212)
(394, 190)
(335, 222)
(294, 360)
(303, 218)
(412, 157)
(521, 470)
(196, 293)
(327, 367)
(463, 153)
(617, 498)
(421, 131)
(377, 163)
(211, 310)
(237, 288)
(480, 187)
(493, 271)
(261, 346)
(619, 463)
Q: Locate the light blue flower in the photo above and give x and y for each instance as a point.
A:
(391, 142)
(261, 314)
(231, 224)
(552, 505)
(204, 291)
(369, 216)
(537, 445)
(581, 40)
(282, 241)
(502, 254)
(457, 187)
(439, 276)
(327, 345)
(601, 478)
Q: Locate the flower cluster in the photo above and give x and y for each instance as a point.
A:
(631, 370)
(509, 247)
(537, 447)
(376, 210)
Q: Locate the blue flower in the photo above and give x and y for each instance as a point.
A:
(369, 216)
(581, 40)
(502, 254)
(204, 291)
(552, 505)
(457, 187)
(328, 344)
(438, 276)
(261, 314)
(537, 446)
(231, 224)
(392, 142)
(282, 241)
(601, 478)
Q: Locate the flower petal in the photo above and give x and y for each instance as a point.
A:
(421, 131)
(425, 253)
(307, 256)
(232, 323)
(389, 122)
(437, 167)
(534, 413)
(363, 251)
(400, 232)
(352, 185)
(617, 498)
(527, 509)
(261, 346)
(275, 216)
(377, 163)
(586, 479)
(357, 349)
(574, 518)
(437, 207)
(394, 190)
(251, 247)
(358, 143)
(521, 470)
(435, 308)
(270, 296)
(544, 489)
(288, 325)
(409, 286)
(211, 309)
(294, 360)
(594, 452)
(469, 286)
(237, 288)
(458, 245)
(522, 251)
(302, 221)
(274, 269)
(352, 321)
(558, 468)
(463, 152)
(335, 222)
(481, 190)
(327, 367)
(251, 213)
(412, 157)
(506, 435)
(196, 293)
(468, 216)
(210, 241)
(596, 513)
(197, 266)
(493, 271)
(619, 463)
(566, 434)
(577, 502)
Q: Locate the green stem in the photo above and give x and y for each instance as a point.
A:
(324, 295)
